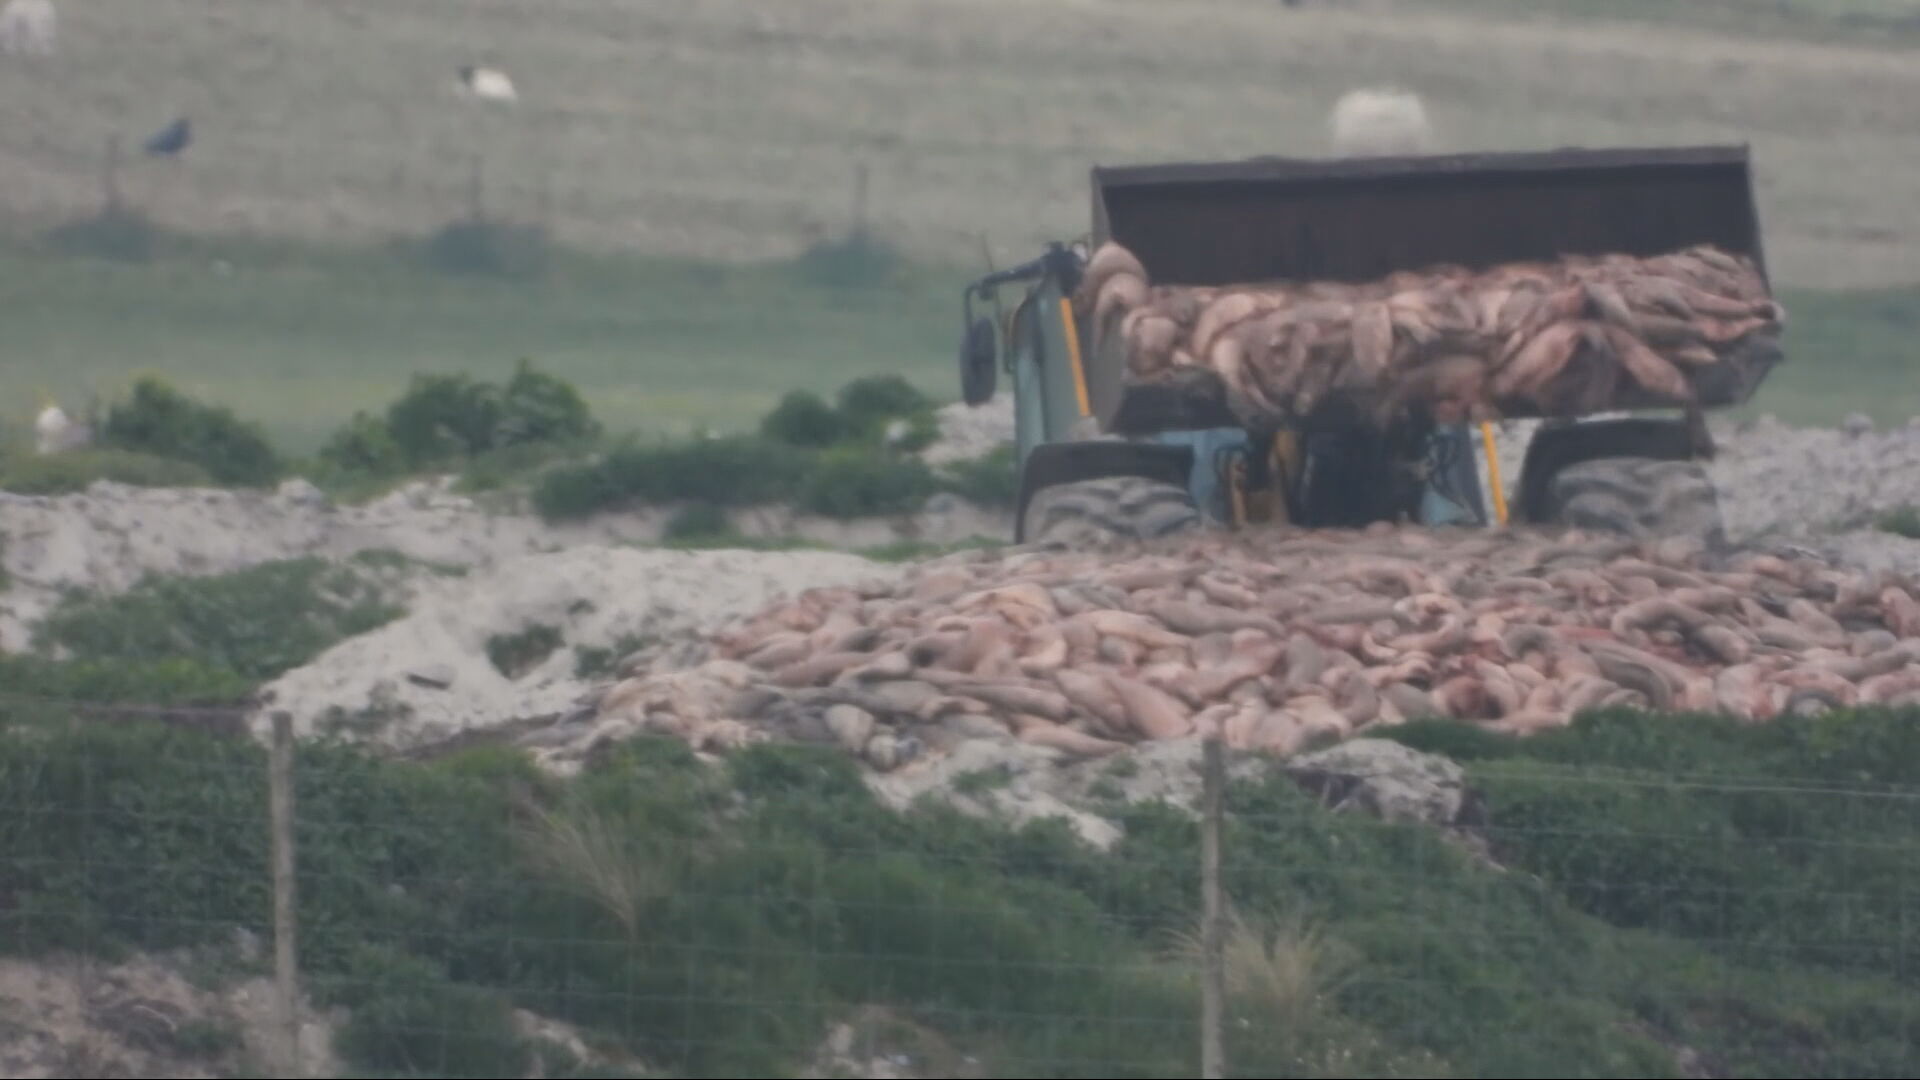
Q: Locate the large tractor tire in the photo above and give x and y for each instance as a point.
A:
(1644, 498)
(1098, 514)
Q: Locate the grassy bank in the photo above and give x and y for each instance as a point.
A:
(1677, 895)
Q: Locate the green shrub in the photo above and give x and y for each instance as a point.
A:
(442, 417)
(992, 479)
(857, 260)
(542, 408)
(575, 491)
(163, 422)
(727, 471)
(495, 470)
(698, 521)
(499, 433)
(407, 1016)
(803, 419)
(364, 446)
(515, 654)
(254, 623)
(867, 403)
(180, 680)
(1707, 847)
(490, 249)
(1903, 521)
(116, 232)
(850, 483)
(75, 470)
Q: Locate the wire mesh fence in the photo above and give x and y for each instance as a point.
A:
(1717, 901)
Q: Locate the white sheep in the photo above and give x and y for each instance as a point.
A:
(1380, 121)
(27, 27)
(488, 84)
(55, 432)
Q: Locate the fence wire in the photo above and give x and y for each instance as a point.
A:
(1433, 905)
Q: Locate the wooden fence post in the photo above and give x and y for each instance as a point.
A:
(285, 970)
(1213, 973)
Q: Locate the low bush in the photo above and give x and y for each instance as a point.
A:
(698, 521)
(992, 479)
(162, 422)
(508, 466)
(728, 471)
(803, 419)
(496, 434)
(1902, 521)
(364, 447)
(478, 248)
(515, 654)
(868, 405)
(75, 470)
(444, 417)
(408, 1017)
(114, 232)
(251, 624)
(830, 460)
(857, 260)
(538, 408)
(851, 483)
(181, 680)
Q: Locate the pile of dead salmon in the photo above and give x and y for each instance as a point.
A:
(1566, 338)
(1278, 642)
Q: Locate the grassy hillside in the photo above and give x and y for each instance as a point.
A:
(727, 128)
(1677, 897)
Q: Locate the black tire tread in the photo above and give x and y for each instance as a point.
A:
(1112, 509)
(1644, 498)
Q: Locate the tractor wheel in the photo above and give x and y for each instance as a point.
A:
(1644, 498)
(1099, 513)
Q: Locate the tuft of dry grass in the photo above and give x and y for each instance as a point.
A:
(734, 128)
(1280, 972)
(586, 853)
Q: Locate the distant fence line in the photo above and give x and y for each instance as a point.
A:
(418, 199)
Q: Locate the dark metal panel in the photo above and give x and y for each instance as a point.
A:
(1565, 159)
(1359, 219)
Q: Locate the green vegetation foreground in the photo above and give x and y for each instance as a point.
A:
(1670, 895)
(1675, 896)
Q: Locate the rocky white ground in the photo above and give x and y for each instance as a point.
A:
(1816, 488)
(967, 431)
(427, 677)
(109, 536)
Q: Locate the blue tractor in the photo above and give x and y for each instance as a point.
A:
(1100, 459)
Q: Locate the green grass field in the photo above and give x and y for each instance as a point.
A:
(301, 340)
(697, 148)
(730, 129)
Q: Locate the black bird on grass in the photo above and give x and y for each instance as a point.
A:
(172, 140)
